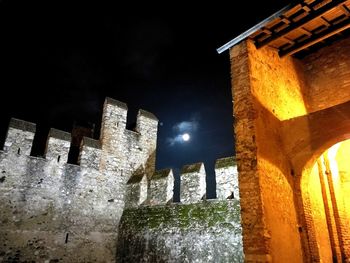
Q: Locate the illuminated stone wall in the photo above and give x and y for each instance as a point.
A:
(327, 74)
(194, 230)
(206, 231)
(342, 185)
(54, 211)
(263, 88)
(287, 112)
(316, 218)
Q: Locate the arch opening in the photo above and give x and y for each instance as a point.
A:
(325, 192)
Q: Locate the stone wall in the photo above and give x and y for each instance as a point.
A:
(207, 231)
(51, 209)
(287, 112)
(327, 73)
(264, 86)
(154, 229)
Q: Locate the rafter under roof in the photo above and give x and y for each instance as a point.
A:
(298, 27)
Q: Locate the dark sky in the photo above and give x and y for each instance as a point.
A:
(60, 60)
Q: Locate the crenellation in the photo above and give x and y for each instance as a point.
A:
(161, 189)
(226, 175)
(113, 125)
(192, 183)
(20, 136)
(148, 115)
(146, 124)
(58, 144)
(22, 125)
(80, 206)
(90, 153)
(136, 189)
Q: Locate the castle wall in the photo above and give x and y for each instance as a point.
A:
(52, 211)
(158, 230)
(264, 88)
(207, 231)
(49, 209)
(327, 73)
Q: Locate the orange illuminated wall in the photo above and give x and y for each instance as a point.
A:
(264, 87)
(315, 214)
(326, 201)
(288, 112)
(327, 73)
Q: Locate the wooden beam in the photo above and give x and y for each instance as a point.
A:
(345, 10)
(290, 41)
(254, 29)
(332, 30)
(325, 21)
(314, 14)
(305, 31)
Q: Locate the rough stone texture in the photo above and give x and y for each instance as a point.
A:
(264, 86)
(341, 184)
(50, 209)
(136, 190)
(208, 231)
(327, 73)
(44, 201)
(20, 137)
(58, 145)
(161, 189)
(226, 178)
(192, 184)
(90, 153)
(287, 113)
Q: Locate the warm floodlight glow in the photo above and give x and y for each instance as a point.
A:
(186, 137)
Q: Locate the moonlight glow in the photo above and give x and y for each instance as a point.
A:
(186, 137)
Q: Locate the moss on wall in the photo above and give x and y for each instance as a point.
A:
(209, 231)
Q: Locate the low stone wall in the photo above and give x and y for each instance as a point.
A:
(208, 231)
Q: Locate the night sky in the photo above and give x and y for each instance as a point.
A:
(59, 61)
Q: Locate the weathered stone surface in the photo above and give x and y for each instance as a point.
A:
(208, 231)
(90, 153)
(264, 87)
(58, 144)
(51, 209)
(327, 73)
(19, 137)
(192, 184)
(43, 201)
(136, 189)
(161, 189)
(226, 175)
(288, 111)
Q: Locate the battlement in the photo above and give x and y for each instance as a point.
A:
(83, 203)
(113, 127)
(58, 144)
(136, 189)
(19, 138)
(226, 175)
(161, 188)
(192, 184)
(116, 142)
(90, 153)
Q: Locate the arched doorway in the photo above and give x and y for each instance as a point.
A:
(325, 193)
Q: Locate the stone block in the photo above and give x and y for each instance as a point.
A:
(193, 183)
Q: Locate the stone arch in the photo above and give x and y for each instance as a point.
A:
(307, 137)
(324, 212)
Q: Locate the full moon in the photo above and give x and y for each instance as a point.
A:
(186, 137)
